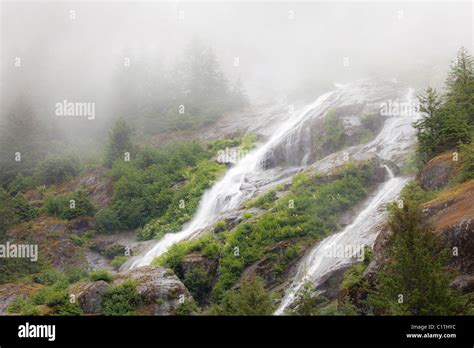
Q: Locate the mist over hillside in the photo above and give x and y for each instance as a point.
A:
(107, 52)
(307, 159)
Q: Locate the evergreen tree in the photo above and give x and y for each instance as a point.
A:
(460, 85)
(21, 132)
(250, 299)
(430, 125)
(448, 120)
(414, 282)
(119, 142)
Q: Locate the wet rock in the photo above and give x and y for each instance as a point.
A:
(198, 260)
(277, 264)
(437, 172)
(329, 286)
(452, 216)
(463, 283)
(88, 295)
(159, 287)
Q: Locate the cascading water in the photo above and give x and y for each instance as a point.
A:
(327, 256)
(229, 192)
(394, 139)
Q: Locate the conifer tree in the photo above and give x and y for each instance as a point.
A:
(119, 142)
(414, 282)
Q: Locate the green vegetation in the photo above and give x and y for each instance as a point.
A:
(70, 206)
(57, 169)
(199, 283)
(466, 167)
(263, 201)
(101, 274)
(119, 142)
(163, 186)
(307, 213)
(185, 200)
(334, 131)
(414, 282)
(107, 220)
(21, 184)
(118, 261)
(14, 210)
(54, 295)
(447, 119)
(121, 299)
(308, 303)
(187, 307)
(250, 299)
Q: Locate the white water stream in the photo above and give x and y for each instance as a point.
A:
(326, 256)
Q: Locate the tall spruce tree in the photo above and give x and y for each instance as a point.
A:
(429, 127)
(414, 282)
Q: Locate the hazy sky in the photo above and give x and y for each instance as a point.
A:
(283, 48)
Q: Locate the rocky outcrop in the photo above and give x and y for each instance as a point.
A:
(279, 261)
(53, 237)
(95, 182)
(81, 225)
(452, 216)
(10, 292)
(198, 260)
(160, 289)
(438, 171)
(463, 283)
(88, 295)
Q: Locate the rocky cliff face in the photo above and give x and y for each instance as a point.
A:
(437, 172)
(452, 216)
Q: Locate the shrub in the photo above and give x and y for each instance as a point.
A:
(21, 184)
(160, 189)
(57, 169)
(23, 210)
(101, 274)
(119, 142)
(7, 211)
(118, 261)
(22, 306)
(107, 220)
(70, 206)
(114, 250)
(187, 307)
(121, 299)
(199, 282)
(250, 299)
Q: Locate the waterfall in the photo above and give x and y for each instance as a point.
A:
(395, 137)
(230, 191)
(322, 260)
(289, 147)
